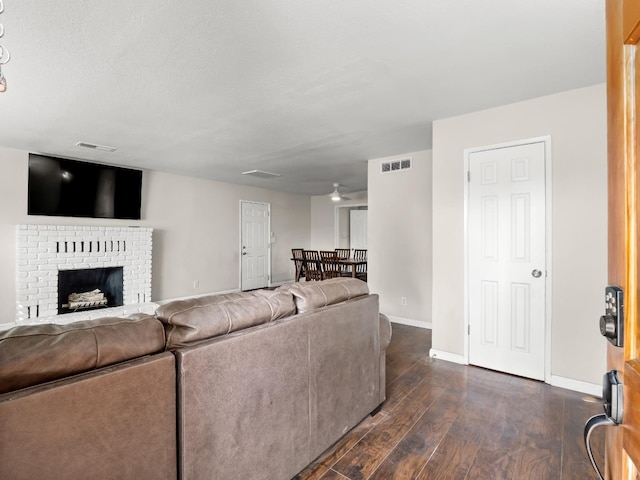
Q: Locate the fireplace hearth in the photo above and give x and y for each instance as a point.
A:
(90, 288)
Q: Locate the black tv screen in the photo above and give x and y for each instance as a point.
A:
(71, 188)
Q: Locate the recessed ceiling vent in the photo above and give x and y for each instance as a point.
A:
(261, 174)
(93, 146)
(391, 166)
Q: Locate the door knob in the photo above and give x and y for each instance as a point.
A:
(536, 273)
(244, 253)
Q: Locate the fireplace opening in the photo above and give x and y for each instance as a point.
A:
(88, 289)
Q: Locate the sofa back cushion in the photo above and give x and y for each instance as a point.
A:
(188, 321)
(33, 354)
(310, 296)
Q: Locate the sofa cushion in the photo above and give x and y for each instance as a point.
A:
(188, 321)
(313, 295)
(33, 354)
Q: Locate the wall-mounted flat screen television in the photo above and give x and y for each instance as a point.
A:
(71, 188)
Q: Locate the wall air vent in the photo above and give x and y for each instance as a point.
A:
(390, 166)
(261, 174)
(93, 146)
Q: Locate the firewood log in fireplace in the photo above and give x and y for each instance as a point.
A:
(94, 298)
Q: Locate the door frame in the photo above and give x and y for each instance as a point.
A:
(268, 232)
(548, 237)
(336, 220)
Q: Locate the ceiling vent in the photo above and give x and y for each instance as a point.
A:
(93, 146)
(391, 166)
(261, 174)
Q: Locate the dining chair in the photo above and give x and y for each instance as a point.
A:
(361, 269)
(330, 266)
(312, 265)
(360, 254)
(344, 254)
(298, 260)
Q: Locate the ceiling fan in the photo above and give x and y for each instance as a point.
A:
(336, 196)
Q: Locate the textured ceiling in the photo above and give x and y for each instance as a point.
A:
(308, 89)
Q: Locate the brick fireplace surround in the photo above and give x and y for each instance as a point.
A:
(43, 250)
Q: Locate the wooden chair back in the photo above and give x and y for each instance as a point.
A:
(361, 270)
(298, 260)
(312, 265)
(343, 252)
(330, 266)
(360, 254)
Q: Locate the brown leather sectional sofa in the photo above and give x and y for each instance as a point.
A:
(252, 385)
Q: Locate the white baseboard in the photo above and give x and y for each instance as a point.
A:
(409, 322)
(447, 356)
(577, 385)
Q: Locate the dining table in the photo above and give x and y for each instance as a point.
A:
(350, 262)
(353, 263)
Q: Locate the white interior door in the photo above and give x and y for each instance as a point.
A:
(507, 259)
(254, 245)
(358, 228)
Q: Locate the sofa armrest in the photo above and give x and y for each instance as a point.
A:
(117, 422)
(385, 339)
(385, 331)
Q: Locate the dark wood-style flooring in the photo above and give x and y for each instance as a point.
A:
(447, 421)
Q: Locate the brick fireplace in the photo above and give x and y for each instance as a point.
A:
(45, 250)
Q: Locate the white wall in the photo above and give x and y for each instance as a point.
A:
(196, 230)
(399, 237)
(576, 121)
(323, 218)
(344, 232)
